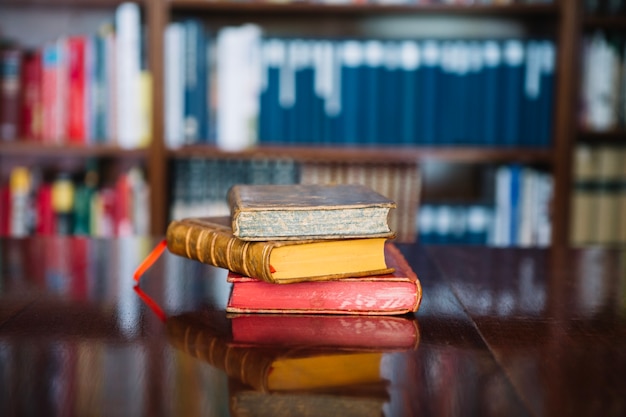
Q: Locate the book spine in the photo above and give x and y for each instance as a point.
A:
(30, 126)
(10, 69)
(76, 127)
(201, 242)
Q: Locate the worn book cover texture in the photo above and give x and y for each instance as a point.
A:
(395, 293)
(206, 335)
(296, 211)
(211, 241)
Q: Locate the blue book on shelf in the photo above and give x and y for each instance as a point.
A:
(530, 125)
(475, 104)
(427, 215)
(430, 91)
(447, 104)
(333, 121)
(490, 129)
(351, 67)
(271, 112)
(548, 58)
(320, 90)
(461, 71)
(390, 93)
(410, 112)
(99, 89)
(372, 86)
(195, 82)
(478, 220)
(287, 92)
(304, 74)
(516, 203)
(512, 88)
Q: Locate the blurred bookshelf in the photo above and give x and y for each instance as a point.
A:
(561, 24)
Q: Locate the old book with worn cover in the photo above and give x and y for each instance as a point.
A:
(297, 211)
(207, 335)
(210, 240)
(395, 293)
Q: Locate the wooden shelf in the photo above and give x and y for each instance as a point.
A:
(83, 4)
(515, 10)
(407, 154)
(35, 149)
(612, 136)
(605, 22)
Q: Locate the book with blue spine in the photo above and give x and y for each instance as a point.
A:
(548, 62)
(270, 112)
(410, 112)
(351, 84)
(372, 86)
(195, 81)
(492, 102)
(430, 88)
(390, 91)
(512, 85)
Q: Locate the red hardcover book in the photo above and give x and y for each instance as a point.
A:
(5, 210)
(76, 104)
(326, 331)
(396, 293)
(10, 69)
(53, 86)
(45, 213)
(31, 111)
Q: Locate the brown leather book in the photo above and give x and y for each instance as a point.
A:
(210, 240)
(297, 211)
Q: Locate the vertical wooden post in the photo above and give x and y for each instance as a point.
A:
(565, 120)
(156, 16)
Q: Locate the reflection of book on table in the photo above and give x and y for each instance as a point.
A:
(207, 335)
(358, 401)
(356, 332)
(279, 212)
(210, 240)
(395, 293)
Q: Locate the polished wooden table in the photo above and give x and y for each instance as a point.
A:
(502, 332)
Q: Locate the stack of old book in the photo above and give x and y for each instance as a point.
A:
(304, 249)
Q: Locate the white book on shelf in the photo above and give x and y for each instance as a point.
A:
(238, 86)
(174, 84)
(502, 228)
(128, 28)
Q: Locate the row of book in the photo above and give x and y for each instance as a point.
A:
(599, 195)
(79, 89)
(605, 7)
(252, 89)
(455, 224)
(522, 200)
(603, 93)
(199, 186)
(31, 203)
(518, 214)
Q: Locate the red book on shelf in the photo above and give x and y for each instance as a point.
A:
(45, 213)
(326, 331)
(5, 209)
(396, 293)
(76, 102)
(31, 111)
